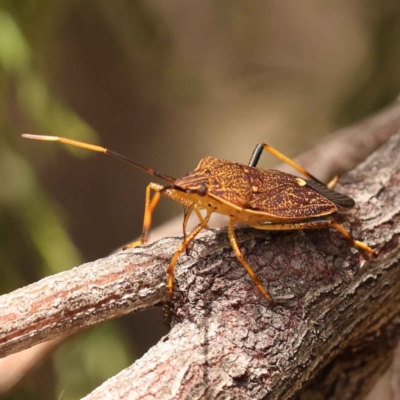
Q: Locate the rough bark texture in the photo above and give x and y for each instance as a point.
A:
(330, 335)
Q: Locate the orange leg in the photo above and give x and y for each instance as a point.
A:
(316, 224)
(199, 216)
(332, 183)
(182, 247)
(150, 205)
(350, 238)
(188, 213)
(191, 208)
(240, 257)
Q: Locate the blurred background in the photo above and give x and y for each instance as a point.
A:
(166, 83)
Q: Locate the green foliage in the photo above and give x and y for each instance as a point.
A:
(85, 362)
(33, 239)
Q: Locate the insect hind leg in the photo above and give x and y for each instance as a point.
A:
(315, 224)
(332, 183)
(349, 237)
(255, 157)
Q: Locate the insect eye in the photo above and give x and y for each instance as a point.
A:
(202, 190)
(190, 173)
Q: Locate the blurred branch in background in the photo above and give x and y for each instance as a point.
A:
(16, 367)
(166, 83)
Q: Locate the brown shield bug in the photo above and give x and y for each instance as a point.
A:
(262, 198)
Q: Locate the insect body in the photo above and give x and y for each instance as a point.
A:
(262, 198)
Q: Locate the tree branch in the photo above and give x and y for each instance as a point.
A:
(336, 315)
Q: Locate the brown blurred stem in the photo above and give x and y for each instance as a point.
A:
(331, 334)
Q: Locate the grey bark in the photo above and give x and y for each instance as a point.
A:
(330, 335)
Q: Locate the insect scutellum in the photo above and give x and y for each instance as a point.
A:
(265, 199)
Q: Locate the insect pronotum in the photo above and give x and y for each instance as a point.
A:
(263, 198)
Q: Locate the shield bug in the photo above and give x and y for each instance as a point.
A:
(262, 198)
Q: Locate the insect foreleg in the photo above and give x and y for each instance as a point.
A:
(150, 205)
(185, 243)
(188, 212)
(314, 224)
(240, 257)
(199, 216)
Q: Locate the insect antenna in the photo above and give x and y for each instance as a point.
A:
(100, 150)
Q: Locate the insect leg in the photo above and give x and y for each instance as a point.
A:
(184, 244)
(200, 217)
(187, 212)
(150, 205)
(332, 183)
(262, 146)
(240, 257)
(350, 238)
(294, 226)
(192, 207)
(315, 224)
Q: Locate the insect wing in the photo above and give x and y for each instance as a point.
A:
(285, 196)
(341, 200)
